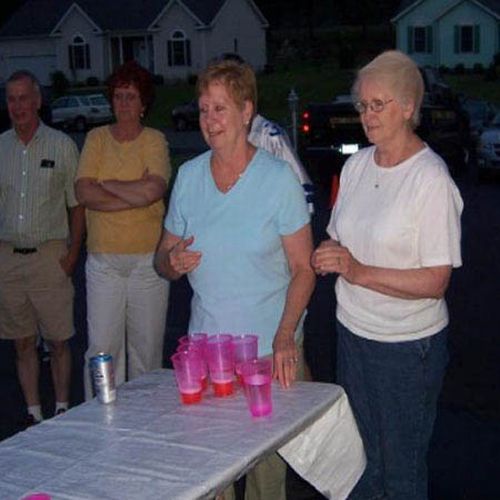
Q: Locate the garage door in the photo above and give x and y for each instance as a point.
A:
(41, 66)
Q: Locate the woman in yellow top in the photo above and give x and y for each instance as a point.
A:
(121, 180)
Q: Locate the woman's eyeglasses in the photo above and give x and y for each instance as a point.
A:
(377, 105)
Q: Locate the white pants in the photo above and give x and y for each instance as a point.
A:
(126, 313)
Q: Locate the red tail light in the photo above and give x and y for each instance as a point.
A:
(305, 127)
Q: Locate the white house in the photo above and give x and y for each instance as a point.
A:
(173, 38)
(449, 32)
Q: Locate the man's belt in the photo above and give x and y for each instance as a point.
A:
(24, 251)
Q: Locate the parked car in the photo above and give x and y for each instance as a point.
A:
(185, 116)
(480, 114)
(488, 151)
(45, 112)
(80, 111)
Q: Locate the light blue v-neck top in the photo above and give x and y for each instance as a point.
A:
(241, 283)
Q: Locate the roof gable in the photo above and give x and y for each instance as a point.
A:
(492, 6)
(77, 8)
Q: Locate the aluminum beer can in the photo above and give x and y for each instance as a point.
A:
(103, 377)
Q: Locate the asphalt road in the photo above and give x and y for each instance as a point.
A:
(465, 452)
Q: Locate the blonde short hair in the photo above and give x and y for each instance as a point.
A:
(399, 74)
(238, 78)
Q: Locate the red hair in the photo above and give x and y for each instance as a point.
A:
(132, 73)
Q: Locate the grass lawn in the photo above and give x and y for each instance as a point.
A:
(312, 82)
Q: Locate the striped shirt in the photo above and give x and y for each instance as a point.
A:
(36, 186)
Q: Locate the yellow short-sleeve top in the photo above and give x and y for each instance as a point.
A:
(136, 230)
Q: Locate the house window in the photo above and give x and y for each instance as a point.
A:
(179, 50)
(467, 39)
(420, 39)
(79, 53)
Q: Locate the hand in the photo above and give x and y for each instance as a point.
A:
(331, 257)
(324, 256)
(68, 263)
(181, 259)
(285, 359)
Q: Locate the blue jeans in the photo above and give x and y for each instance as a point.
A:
(393, 390)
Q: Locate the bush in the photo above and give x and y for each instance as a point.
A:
(491, 74)
(444, 70)
(478, 69)
(60, 83)
(496, 59)
(158, 79)
(192, 79)
(92, 81)
(459, 69)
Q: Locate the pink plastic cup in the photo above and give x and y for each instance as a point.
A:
(221, 364)
(245, 348)
(196, 338)
(37, 496)
(188, 373)
(198, 348)
(257, 378)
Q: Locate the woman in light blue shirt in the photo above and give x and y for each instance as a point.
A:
(238, 226)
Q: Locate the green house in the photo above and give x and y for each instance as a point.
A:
(449, 32)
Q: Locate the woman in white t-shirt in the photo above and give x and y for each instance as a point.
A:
(395, 237)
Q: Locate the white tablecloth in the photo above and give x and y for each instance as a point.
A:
(146, 445)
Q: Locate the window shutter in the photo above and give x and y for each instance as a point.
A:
(70, 57)
(87, 56)
(477, 38)
(429, 44)
(410, 40)
(188, 52)
(457, 39)
(169, 52)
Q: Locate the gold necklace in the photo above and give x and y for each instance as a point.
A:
(230, 185)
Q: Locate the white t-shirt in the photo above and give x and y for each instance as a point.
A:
(403, 217)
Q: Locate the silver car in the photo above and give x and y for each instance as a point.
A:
(80, 111)
(488, 151)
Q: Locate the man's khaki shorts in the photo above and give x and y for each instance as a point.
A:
(36, 295)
